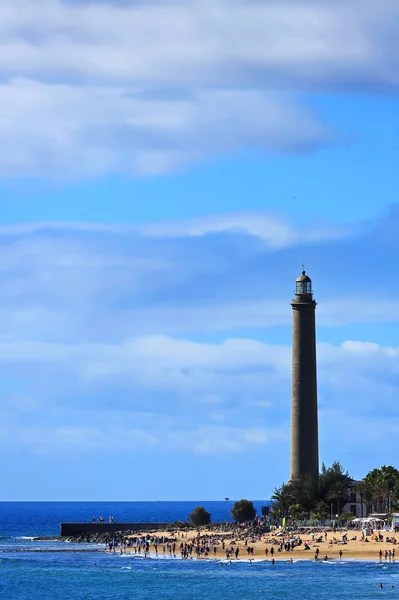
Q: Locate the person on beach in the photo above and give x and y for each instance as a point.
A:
(340, 554)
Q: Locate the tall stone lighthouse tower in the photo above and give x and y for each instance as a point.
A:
(304, 431)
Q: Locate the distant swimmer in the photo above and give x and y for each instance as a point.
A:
(273, 561)
(381, 586)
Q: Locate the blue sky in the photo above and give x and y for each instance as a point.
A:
(166, 170)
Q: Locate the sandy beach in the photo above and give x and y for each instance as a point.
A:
(267, 546)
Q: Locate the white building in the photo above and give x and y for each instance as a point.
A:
(355, 506)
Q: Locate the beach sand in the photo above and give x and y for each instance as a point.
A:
(353, 549)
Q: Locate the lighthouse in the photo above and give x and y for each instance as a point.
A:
(304, 423)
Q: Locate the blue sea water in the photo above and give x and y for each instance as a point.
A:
(52, 570)
(44, 518)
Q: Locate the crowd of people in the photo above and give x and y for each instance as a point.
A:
(252, 541)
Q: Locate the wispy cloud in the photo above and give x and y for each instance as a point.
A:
(98, 326)
(95, 282)
(252, 380)
(275, 231)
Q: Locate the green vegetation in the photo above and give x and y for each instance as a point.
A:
(296, 512)
(199, 516)
(317, 499)
(380, 489)
(243, 510)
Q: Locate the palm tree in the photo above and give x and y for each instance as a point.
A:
(385, 485)
(320, 511)
(390, 483)
(282, 499)
(338, 492)
(366, 493)
(296, 512)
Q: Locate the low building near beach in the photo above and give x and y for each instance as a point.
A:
(355, 506)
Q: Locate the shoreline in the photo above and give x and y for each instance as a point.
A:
(212, 544)
(279, 545)
(354, 551)
(245, 560)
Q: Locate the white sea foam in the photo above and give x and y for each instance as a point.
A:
(153, 556)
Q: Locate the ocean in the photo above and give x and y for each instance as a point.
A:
(54, 570)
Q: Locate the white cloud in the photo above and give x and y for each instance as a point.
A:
(91, 88)
(87, 131)
(353, 309)
(96, 322)
(159, 361)
(151, 360)
(95, 282)
(275, 231)
(260, 403)
(200, 40)
(75, 438)
(67, 322)
(168, 383)
(219, 440)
